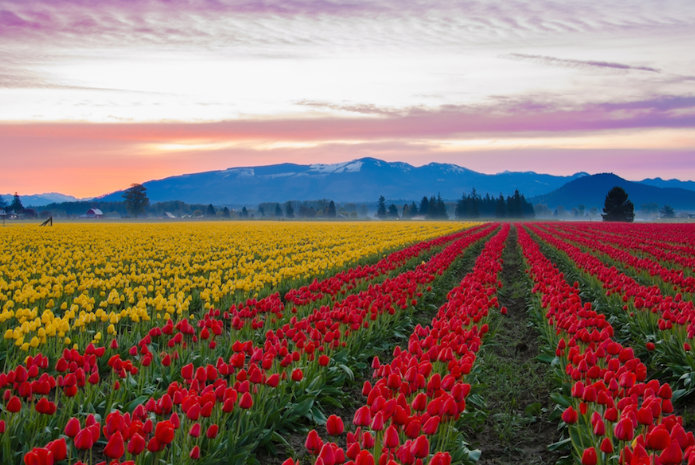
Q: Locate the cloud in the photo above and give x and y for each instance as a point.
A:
(506, 118)
(553, 61)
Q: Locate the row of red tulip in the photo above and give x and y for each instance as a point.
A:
(676, 237)
(667, 253)
(616, 415)
(671, 311)
(268, 312)
(415, 400)
(597, 242)
(349, 279)
(248, 376)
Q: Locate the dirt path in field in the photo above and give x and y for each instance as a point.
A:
(515, 425)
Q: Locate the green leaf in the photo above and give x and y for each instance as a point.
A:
(560, 445)
(560, 399)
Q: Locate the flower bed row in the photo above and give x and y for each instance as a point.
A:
(412, 406)
(616, 415)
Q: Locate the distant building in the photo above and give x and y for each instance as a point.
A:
(93, 213)
(169, 215)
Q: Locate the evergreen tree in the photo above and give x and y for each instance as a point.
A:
(413, 209)
(618, 207)
(244, 212)
(278, 210)
(16, 205)
(225, 212)
(136, 200)
(211, 211)
(405, 212)
(501, 207)
(381, 209)
(289, 211)
(3, 204)
(667, 212)
(330, 210)
(424, 209)
(393, 211)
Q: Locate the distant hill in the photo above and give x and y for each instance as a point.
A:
(361, 180)
(591, 191)
(672, 183)
(40, 200)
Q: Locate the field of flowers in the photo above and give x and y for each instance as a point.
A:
(341, 343)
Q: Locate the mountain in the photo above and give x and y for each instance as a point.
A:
(674, 183)
(361, 180)
(591, 191)
(40, 200)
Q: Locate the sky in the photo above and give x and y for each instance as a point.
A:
(95, 96)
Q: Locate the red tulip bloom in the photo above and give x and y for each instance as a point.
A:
(164, 432)
(195, 430)
(334, 425)
(39, 456)
(136, 444)
(115, 448)
(672, 455)
(211, 433)
(589, 456)
(430, 426)
(45, 406)
(606, 446)
(570, 415)
(195, 453)
(624, 430)
(324, 360)
(391, 439)
(59, 449)
(313, 442)
(363, 416)
(187, 371)
(658, 438)
(246, 401)
(14, 405)
(364, 458)
(420, 447)
(297, 374)
(72, 427)
(83, 439)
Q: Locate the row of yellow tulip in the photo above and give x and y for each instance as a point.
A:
(57, 280)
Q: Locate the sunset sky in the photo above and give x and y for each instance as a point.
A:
(97, 95)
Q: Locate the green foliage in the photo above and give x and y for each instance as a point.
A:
(618, 207)
(136, 200)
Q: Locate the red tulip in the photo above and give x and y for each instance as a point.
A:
(14, 405)
(136, 444)
(59, 449)
(363, 416)
(420, 447)
(313, 442)
(672, 455)
(195, 430)
(115, 448)
(391, 439)
(606, 446)
(164, 432)
(364, 458)
(83, 439)
(297, 374)
(211, 433)
(569, 415)
(658, 438)
(334, 425)
(589, 456)
(195, 453)
(624, 430)
(72, 427)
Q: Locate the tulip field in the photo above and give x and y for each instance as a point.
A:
(327, 343)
